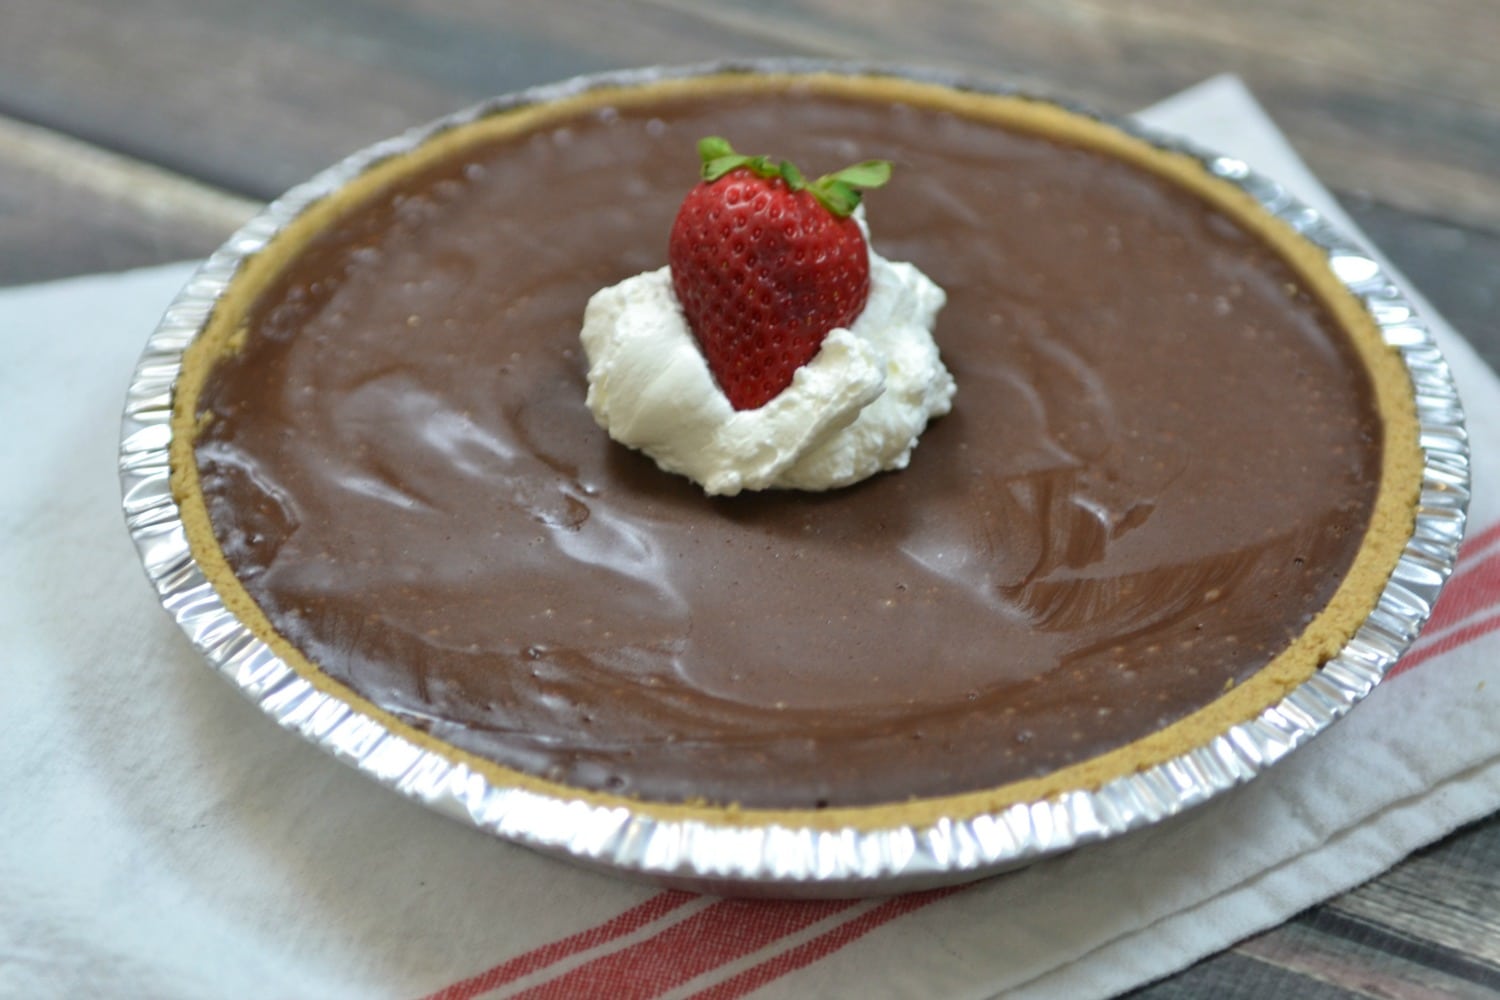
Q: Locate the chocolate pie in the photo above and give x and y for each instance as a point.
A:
(1179, 469)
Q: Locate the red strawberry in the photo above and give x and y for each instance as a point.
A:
(766, 264)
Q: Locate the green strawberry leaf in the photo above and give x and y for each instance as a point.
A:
(792, 176)
(714, 147)
(838, 192)
(719, 157)
(721, 165)
(836, 196)
(869, 174)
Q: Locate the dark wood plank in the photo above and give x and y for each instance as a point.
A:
(254, 97)
(1423, 929)
(1295, 962)
(1300, 960)
(1236, 975)
(1446, 898)
(68, 208)
(1400, 100)
(1457, 267)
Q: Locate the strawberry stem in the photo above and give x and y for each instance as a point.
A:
(838, 192)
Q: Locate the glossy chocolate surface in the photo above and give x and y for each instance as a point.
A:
(1160, 463)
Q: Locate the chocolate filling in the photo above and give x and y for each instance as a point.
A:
(1162, 458)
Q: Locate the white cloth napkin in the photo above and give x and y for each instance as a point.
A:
(163, 838)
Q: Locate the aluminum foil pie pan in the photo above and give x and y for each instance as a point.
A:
(771, 859)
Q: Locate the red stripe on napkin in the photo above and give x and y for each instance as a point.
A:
(1474, 544)
(705, 941)
(1475, 585)
(1445, 643)
(821, 946)
(539, 958)
(1473, 592)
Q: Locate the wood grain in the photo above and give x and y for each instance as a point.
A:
(1449, 898)
(254, 98)
(1424, 929)
(69, 208)
(1456, 266)
(1400, 100)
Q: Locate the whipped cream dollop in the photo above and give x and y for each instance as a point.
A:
(856, 409)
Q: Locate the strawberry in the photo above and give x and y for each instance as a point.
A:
(765, 264)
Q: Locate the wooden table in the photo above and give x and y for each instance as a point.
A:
(134, 132)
